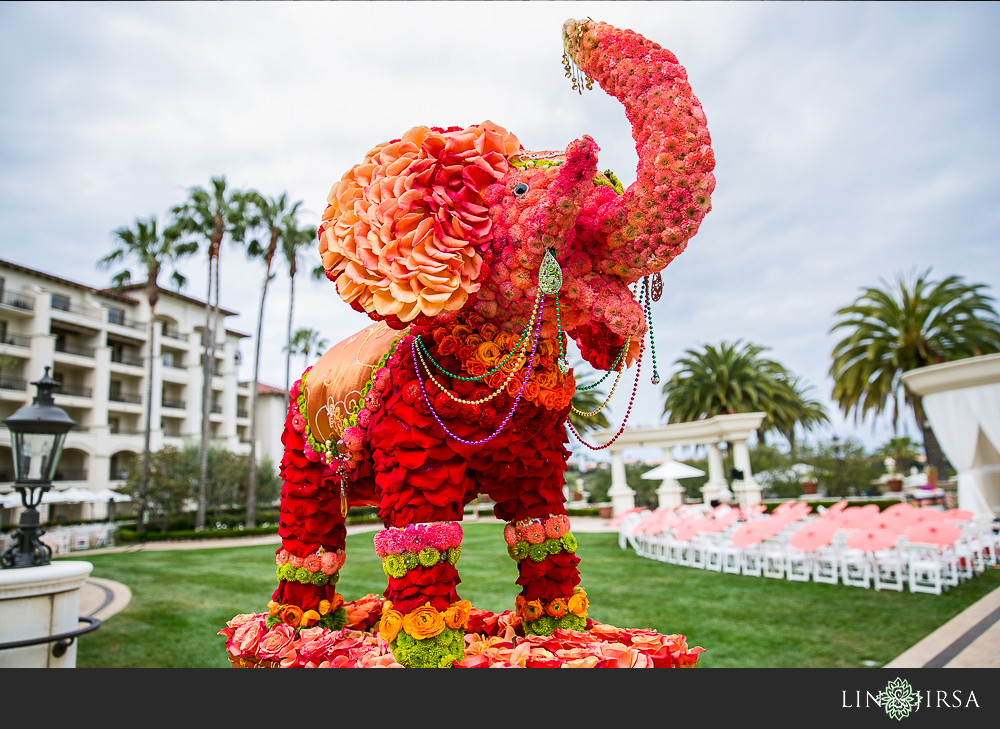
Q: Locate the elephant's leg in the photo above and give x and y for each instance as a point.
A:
(312, 535)
(424, 484)
(524, 477)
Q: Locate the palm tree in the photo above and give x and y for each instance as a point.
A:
(152, 251)
(894, 329)
(210, 216)
(306, 341)
(294, 241)
(269, 215)
(731, 379)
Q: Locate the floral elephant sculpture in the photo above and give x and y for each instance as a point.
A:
(476, 259)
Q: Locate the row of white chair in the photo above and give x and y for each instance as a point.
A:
(922, 568)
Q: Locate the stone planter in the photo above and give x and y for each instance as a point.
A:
(894, 484)
(605, 510)
(809, 487)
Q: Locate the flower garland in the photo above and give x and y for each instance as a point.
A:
(356, 421)
(330, 614)
(418, 545)
(426, 637)
(538, 538)
(541, 618)
(319, 568)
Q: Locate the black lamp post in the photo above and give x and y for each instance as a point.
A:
(836, 455)
(37, 433)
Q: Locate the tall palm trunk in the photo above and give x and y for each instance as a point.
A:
(932, 449)
(288, 337)
(251, 515)
(208, 360)
(151, 297)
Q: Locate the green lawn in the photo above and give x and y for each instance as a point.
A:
(181, 599)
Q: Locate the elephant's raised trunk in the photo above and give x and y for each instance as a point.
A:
(640, 231)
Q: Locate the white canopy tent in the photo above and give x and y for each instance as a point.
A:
(962, 403)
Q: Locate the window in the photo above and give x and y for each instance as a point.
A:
(60, 302)
(168, 359)
(116, 316)
(114, 424)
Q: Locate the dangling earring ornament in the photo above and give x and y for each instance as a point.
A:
(550, 280)
(657, 286)
(655, 379)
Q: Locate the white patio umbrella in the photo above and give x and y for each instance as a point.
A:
(71, 495)
(108, 494)
(672, 470)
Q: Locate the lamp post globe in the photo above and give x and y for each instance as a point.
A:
(37, 434)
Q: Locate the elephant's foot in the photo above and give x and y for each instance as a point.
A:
(547, 565)
(423, 619)
(306, 596)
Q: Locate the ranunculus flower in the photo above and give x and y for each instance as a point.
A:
(556, 608)
(390, 625)
(578, 604)
(532, 610)
(457, 615)
(275, 641)
(290, 615)
(423, 622)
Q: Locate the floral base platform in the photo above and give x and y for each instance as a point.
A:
(491, 641)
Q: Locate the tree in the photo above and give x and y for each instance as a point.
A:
(164, 479)
(270, 215)
(903, 450)
(732, 379)
(152, 252)
(210, 216)
(894, 329)
(294, 241)
(306, 341)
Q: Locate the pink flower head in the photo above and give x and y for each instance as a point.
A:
(443, 534)
(353, 438)
(247, 638)
(373, 402)
(313, 563)
(535, 533)
(275, 641)
(413, 540)
(310, 452)
(281, 557)
(381, 546)
(298, 422)
(556, 526)
(510, 535)
(295, 391)
(330, 563)
(380, 380)
(364, 418)
(294, 561)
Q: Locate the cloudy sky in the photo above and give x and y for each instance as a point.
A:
(854, 142)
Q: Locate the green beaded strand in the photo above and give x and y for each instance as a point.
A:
(649, 317)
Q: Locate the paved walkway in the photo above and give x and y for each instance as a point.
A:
(969, 640)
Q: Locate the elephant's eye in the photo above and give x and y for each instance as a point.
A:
(521, 190)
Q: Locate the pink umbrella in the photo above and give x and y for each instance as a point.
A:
(621, 517)
(813, 536)
(893, 523)
(752, 532)
(835, 509)
(782, 508)
(934, 532)
(721, 522)
(958, 515)
(871, 540)
(926, 516)
(901, 508)
(856, 517)
(753, 510)
(802, 510)
(689, 529)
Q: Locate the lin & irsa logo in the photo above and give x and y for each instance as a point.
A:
(899, 699)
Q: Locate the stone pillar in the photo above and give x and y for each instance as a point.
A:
(37, 602)
(622, 497)
(717, 489)
(748, 491)
(670, 493)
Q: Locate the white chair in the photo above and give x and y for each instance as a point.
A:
(888, 570)
(732, 558)
(683, 551)
(625, 528)
(924, 566)
(103, 536)
(750, 563)
(773, 559)
(855, 568)
(826, 565)
(81, 539)
(713, 553)
(697, 553)
(800, 565)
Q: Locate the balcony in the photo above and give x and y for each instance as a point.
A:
(61, 303)
(128, 431)
(75, 391)
(16, 340)
(172, 333)
(242, 413)
(117, 316)
(13, 383)
(173, 402)
(71, 474)
(17, 301)
(134, 398)
(217, 409)
(75, 349)
(172, 433)
(173, 365)
(126, 359)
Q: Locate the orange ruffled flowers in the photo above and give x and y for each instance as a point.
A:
(402, 230)
(457, 615)
(424, 622)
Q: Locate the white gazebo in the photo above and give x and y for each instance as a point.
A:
(962, 402)
(734, 429)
